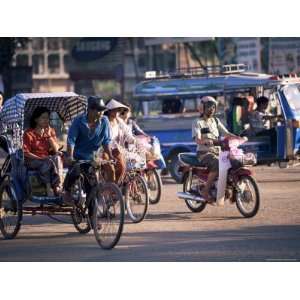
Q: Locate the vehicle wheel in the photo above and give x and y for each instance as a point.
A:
(173, 167)
(80, 221)
(190, 183)
(79, 217)
(154, 185)
(137, 199)
(247, 196)
(10, 210)
(108, 214)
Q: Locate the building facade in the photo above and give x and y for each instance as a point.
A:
(49, 59)
(112, 66)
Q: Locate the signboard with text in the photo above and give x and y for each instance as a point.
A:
(96, 58)
(248, 52)
(284, 55)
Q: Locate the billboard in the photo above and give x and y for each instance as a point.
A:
(248, 52)
(96, 58)
(240, 50)
(284, 55)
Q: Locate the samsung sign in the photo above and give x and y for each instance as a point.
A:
(87, 49)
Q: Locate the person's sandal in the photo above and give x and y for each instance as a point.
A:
(211, 201)
(208, 199)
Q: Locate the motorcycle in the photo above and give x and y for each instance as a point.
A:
(235, 183)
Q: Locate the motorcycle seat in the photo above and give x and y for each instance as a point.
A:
(191, 160)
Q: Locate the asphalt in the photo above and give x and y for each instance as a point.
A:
(171, 232)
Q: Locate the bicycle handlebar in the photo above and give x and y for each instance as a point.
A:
(100, 162)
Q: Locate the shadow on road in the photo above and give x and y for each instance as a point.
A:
(187, 216)
(259, 243)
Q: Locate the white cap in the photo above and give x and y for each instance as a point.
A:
(207, 99)
(113, 104)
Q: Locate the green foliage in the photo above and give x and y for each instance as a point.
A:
(8, 46)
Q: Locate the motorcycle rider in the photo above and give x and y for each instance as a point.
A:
(206, 131)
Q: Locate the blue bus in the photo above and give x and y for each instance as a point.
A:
(170, 101)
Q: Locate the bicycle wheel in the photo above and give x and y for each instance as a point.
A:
(79, 216)
(10, 210)
(136, 198)
(81, 221)
(108, 214)
(154, 185)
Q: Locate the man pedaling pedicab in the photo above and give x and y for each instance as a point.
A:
(88, 132)
(206, 131)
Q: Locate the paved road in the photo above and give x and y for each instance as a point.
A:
(172, 233)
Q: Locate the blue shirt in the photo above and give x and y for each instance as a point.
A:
(85, 140)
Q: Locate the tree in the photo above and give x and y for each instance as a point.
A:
(8, 46)
(205, 52)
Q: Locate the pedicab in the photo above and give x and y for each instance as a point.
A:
(97, 205)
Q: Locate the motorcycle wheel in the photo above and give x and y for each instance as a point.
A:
(154, 185)
(247, 196)
(189, 181)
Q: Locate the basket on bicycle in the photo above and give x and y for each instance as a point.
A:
(135, 157)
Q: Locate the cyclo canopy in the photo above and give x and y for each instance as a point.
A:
(20, 107)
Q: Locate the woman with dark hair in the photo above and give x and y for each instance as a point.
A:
(39, 144)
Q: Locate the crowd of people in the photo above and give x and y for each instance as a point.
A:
(106, 126)
(109, 126)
